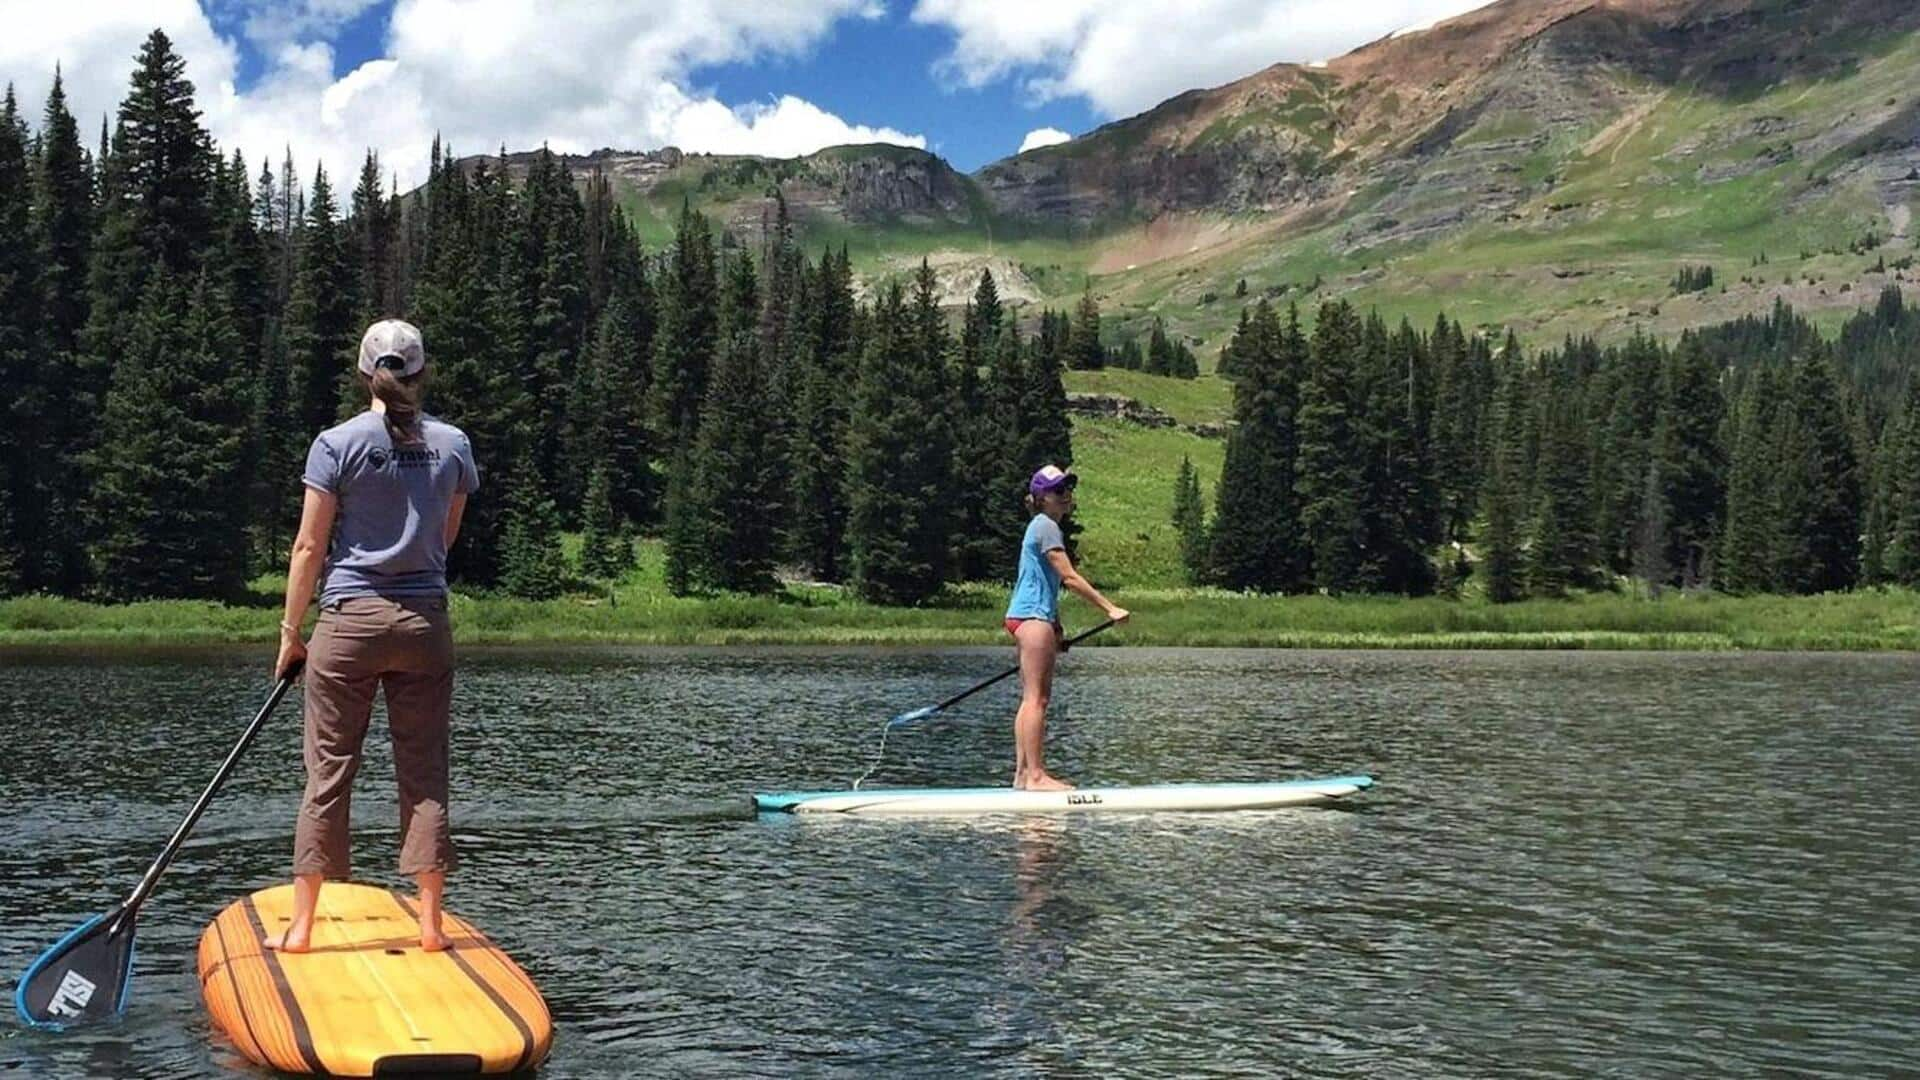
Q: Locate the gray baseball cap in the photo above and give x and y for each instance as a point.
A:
(392, 344)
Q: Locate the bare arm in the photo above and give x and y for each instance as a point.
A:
(303, 572)
(309, 552)
(455, 510)
(1083, 588)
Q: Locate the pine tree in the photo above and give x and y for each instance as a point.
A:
(896, 529)
(1398, 515)
(375, 246)
(237, 260)
(154, 216)
(532, 566)
(1257, 540)
(821, 415)
(473, 342)
(1625, 445)
(1562, 554)
(685, 540)
(1160, 359)
(1902, 557)
(322, 342)
(1046, 435)
(1228, 365)
(1084, 352)
(19, 328)
(558, 316)
(1330, 465)
(1503, 493)
(1873, 544)
(1692, 461)
(979, 549)
(601, 541)
(1456, 441)
(170, 526)
(1743, 562)
(1190, 522)
(618, 363)
(62, 223)
(1826, 469)
(684, 342)
(165, 159)
(1003, 399)
(737, 486)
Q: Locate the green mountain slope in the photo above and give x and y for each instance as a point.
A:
(1547, 165)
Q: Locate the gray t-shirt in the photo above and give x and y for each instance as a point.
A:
(390, 532)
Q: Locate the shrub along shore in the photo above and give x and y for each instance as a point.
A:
(635, 613)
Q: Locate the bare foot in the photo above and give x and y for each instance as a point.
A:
(287, 941)
(1042, 782)
(433, 940)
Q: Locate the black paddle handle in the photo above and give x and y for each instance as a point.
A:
(1015, 669)
(140, 891)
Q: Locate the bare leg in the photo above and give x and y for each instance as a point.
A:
(298, 936)
(1038, 651)
(432, 884)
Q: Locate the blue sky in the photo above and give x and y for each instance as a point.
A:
(874, 71)
(972, 80)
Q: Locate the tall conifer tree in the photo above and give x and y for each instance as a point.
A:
(169, 524)
(1190, 522)
(1257, 540)
(896, 529)
(1330, 469)
(1902, 559)
(19, 329)
(1692, 461)
(737, 488)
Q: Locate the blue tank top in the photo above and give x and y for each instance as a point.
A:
(1036, 594)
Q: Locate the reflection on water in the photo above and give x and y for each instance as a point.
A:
(1575, 863)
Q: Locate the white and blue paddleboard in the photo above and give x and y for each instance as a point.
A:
(1261, 796)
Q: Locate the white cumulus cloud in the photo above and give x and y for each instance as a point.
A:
(481, 73)
(1125, 56)
(1039, 137)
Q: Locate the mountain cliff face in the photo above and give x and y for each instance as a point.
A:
(861, 185)
(1449, 108)
(1543, 165)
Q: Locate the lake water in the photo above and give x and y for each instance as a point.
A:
(1574, 864)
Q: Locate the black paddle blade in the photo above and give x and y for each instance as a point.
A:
(83, 978)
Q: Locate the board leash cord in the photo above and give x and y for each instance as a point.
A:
(878, 757)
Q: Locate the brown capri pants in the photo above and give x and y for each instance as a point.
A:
(406, 646)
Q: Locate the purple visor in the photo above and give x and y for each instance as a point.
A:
(1050, 479)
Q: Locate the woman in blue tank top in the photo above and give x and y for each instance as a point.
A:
(1033, 618)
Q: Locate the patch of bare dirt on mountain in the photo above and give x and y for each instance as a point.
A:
(1622, 129)
(956, 275)
(1165, 237)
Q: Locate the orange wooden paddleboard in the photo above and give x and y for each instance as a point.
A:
(367, 1000)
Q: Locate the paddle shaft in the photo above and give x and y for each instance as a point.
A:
(138, 896)
(1015, 669)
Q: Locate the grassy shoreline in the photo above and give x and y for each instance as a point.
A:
(1873, 620)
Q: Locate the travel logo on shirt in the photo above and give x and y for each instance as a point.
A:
(408, 457)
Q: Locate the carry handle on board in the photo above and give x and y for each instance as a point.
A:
(84, 977)
(922, 714)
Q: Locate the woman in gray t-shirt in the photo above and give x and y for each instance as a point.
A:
(384, 495)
